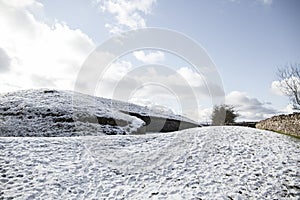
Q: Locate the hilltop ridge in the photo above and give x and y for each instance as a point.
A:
(47, 112)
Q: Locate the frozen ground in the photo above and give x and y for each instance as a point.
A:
(201, 163)
(53, 113)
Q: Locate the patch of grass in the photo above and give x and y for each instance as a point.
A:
(283, 133)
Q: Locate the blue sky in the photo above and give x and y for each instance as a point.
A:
(46, 41)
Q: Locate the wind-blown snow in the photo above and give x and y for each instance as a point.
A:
(200, 163)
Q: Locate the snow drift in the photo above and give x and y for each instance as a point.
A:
(201, 163)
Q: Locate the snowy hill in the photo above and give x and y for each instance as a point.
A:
(201, 163)
(65, 113)
(110, 162)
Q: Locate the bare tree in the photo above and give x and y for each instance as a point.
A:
(289, 78)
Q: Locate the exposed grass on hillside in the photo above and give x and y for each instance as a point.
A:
(288, 134)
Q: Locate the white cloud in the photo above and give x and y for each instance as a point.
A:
(266, 2)
(249, 108)
(152, 57)
(117, 70)
(193, 78)
(37, 50)
(4, 61)
(127, 14)
(183, 80)
(288, 109)
(277, 87)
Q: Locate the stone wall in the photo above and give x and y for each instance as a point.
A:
(289, 124)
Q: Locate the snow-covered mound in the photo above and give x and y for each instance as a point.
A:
(201, 163)
(65, 113)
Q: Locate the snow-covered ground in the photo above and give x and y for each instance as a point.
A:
(47, 112)
(200, 163)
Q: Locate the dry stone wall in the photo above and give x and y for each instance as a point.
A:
(289, 124)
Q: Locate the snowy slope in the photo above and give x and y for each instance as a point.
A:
(201, 163)
(64, 113)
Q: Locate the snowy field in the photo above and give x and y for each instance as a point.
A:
(201, 163)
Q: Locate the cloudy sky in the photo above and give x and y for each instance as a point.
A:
(44, 43)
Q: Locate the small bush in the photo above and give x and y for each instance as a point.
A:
(223, 114)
